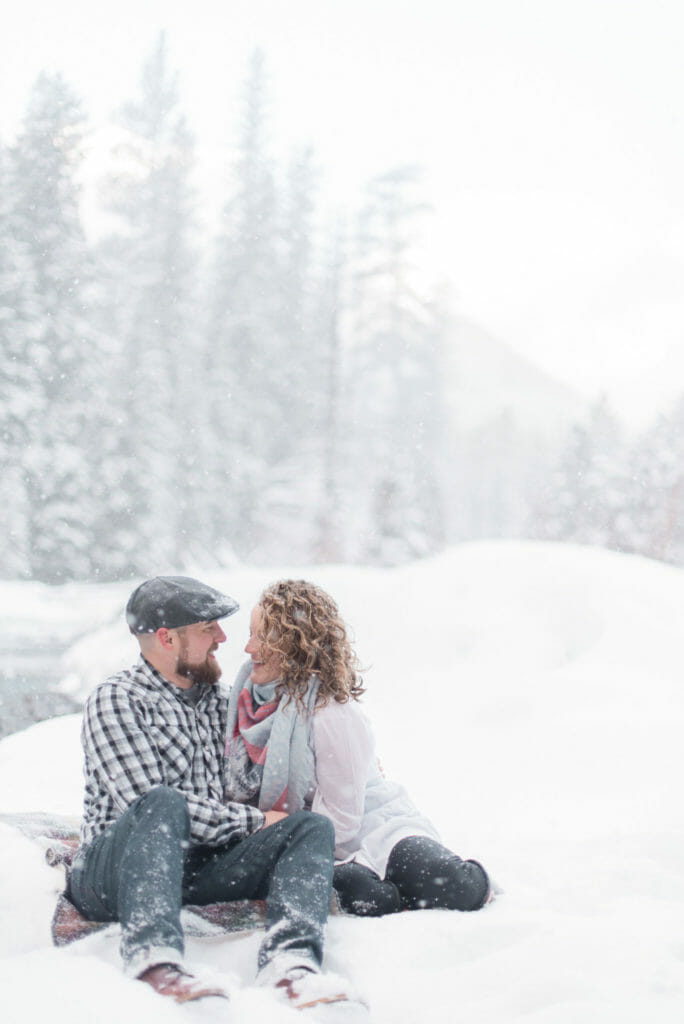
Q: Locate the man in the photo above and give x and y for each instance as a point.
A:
(156, 831)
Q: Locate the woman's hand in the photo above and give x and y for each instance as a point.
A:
(273, 816)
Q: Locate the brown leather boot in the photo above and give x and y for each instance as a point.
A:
(306, 990)
(172, 980)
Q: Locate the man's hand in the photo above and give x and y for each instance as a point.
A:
(273, 816)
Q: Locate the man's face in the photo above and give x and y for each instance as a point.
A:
(196, 655)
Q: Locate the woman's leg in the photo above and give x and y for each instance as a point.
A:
(362, 892)
(428, 875)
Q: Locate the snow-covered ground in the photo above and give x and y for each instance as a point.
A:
(548, 745)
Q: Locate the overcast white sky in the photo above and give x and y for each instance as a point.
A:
(550, 131)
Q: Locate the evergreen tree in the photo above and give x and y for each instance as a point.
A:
(289, 509)
(333, 510)
(49, 282)
(297, 290)
(397, 370)
(585, 499)
(653, 522)
(157, 375)
(251, 402)
(20, 399)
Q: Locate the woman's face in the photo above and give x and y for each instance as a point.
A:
(265, 663)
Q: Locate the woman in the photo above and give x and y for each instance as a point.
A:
(297, 738)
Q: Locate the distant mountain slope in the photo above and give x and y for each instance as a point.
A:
(488, 378)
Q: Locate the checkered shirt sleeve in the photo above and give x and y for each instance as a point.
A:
(139, 733)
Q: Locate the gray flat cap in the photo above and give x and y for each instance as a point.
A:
(173, 601)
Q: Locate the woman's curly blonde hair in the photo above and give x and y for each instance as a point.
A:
(302, 624)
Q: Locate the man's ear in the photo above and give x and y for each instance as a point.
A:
(166, 638)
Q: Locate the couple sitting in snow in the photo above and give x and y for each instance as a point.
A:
(194, 797)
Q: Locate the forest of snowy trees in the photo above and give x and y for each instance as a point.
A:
(271, 387)
(615, 490)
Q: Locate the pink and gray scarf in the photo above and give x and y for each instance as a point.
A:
(269, 760)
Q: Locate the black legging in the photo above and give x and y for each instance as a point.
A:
(421, 874)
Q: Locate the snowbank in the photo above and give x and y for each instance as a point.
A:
(551, 751)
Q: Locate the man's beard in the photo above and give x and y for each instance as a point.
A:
(208, 671)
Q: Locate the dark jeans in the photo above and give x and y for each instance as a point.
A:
(142, 868)
(421, 874)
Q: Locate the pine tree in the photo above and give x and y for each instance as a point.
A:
(290, 502)
(20, 398)
(51, 302)
(250, 402)
(585, 499)
(157, 376)
(653, 522)
(397, 368)
(333, 510)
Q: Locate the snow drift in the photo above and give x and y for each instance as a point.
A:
(530, 698)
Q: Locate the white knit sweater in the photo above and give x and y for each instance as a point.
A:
(370, 813)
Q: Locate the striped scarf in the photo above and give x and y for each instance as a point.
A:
(269, 762)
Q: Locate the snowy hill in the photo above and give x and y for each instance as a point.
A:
(548, 746)
(487, 378)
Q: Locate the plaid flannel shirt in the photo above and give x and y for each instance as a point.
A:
(139, 731)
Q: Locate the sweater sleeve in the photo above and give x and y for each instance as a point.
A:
(343, 750)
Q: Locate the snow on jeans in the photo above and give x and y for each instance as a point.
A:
(141, 869)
